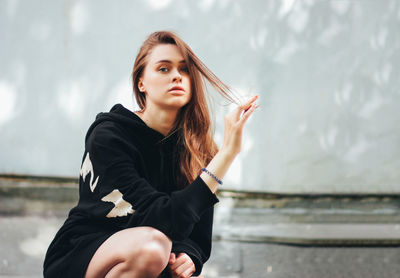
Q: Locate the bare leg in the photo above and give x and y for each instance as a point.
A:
(133, 252)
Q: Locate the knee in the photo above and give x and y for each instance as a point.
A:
(158, 237)
(156, 243)
(152, 256)
(152, 259)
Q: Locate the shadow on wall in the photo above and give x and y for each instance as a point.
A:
(325, 72)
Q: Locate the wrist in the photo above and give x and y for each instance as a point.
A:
(226, 154)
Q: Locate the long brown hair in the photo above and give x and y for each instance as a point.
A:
(193, 121)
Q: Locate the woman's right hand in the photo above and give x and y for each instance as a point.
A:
(234, 123)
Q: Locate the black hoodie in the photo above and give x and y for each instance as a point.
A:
(128, 178)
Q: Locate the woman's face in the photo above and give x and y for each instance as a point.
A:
(165, 79)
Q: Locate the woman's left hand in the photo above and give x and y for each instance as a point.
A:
(181, 266)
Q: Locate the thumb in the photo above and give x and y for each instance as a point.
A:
(172, 258)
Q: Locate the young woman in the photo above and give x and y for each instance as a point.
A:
(148, 178)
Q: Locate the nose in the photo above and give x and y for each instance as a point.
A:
(176, 76)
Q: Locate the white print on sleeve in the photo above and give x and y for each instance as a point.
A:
(87, 167)
(122, 207)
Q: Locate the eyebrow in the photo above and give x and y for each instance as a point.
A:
(169, 61)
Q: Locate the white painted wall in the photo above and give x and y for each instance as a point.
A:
(327, 72)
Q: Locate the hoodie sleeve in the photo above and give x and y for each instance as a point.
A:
(198, 244)
(115, 190)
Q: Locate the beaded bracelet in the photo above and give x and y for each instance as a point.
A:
(212, 175)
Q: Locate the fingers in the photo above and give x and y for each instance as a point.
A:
(247, 113)
(180, 260)
(183, 266)
(247, 104)
(185, 270)
(245, 107)
(189, 271)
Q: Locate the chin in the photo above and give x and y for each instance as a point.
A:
(174, 106)
(179, 104)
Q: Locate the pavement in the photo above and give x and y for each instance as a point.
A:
(255, 235)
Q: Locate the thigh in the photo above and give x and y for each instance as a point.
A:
(116, 248)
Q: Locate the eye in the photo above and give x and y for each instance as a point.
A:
(185, 69)
(163, 69)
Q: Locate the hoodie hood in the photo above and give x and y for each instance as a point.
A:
(162, 150)
(132, 123)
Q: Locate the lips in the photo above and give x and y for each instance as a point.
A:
(177, 88)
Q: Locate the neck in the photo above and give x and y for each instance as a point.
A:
(158, 119)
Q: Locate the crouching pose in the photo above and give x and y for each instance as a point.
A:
(148, 178)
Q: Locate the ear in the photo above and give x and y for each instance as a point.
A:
(140, 85)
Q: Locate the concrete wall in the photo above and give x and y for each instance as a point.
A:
(325, 71)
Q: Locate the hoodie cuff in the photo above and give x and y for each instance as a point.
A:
(197, 197)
